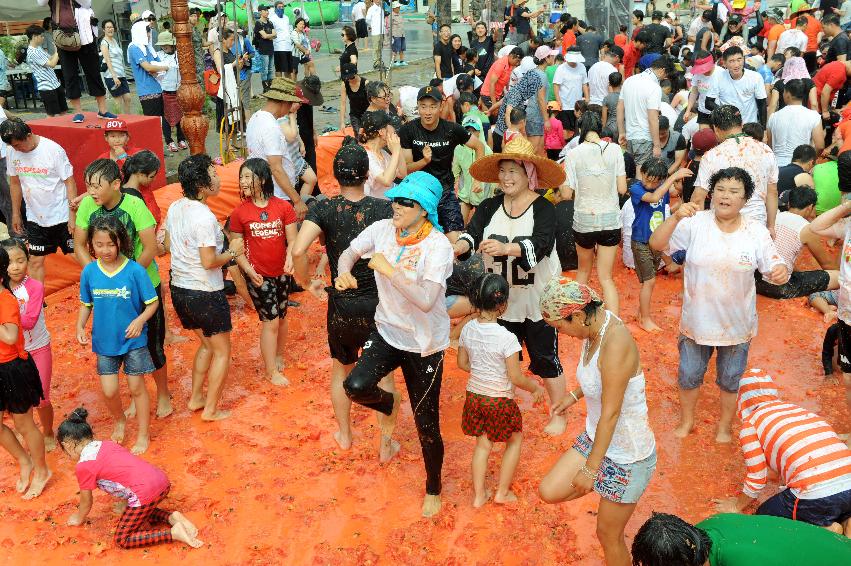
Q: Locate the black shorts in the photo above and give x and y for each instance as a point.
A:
(156, 332)
(207, 311)
(541, 342)
(350, 322)
(589, 240)
(821, 512)
(44, 240)
(270, 299)
(844, 347)
(360, 28)
(449, 212)
(800, 284)
(54, 101)
(283, 61)
(20, 386)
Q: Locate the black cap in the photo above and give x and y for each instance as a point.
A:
(657, 15)
(429, 92)
(262, 7)
(348, 70)
(734, 19)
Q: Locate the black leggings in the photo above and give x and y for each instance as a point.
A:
(423, 375)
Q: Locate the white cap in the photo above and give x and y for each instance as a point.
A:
(147, 14)
(573, 57)
(396, 5)
(506, 49)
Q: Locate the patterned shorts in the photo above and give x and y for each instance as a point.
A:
(270, 298)
(621, 483)
(498, 417)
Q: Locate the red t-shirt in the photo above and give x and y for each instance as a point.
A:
(264, 230)
(631, 55)
(128, 152)
(111, 467)
(9, 314)
(568, 40)
(832, 74)
(620, 40)
(502, 71)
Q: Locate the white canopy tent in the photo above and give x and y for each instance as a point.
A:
(28, 10)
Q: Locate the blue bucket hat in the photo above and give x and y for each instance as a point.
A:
(421, 187)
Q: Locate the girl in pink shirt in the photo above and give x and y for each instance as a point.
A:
(554, 137)
(142, 487)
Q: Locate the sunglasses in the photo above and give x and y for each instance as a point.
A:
(406, 202)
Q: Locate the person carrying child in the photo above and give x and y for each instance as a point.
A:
(650, 197)
(268, 226)
(20, 391)
(123, 299)
(30, 295)
(491, 353)
(139, 486)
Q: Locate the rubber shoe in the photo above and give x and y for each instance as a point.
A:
(107, 115)
(78, 118)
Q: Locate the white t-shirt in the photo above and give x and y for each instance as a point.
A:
(191, 225)
(792, 38)
(742, 93)
(702, 83)
(598, 81)
(42, 173)
(401, 324)
(842, 229)
(488, 345)
(790, 127)
(690, 128)
(358, 11)
(377, 166)
(787, 237)
(696, 25)
(719, 297)
(264, 137)
(375, 20)
(639, 94)
(592, 171)
(283, 32)
(570, 80)
(846, 17)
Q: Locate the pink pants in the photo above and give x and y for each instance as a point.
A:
(43, 358)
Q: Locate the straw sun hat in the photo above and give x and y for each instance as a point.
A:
(486, 169)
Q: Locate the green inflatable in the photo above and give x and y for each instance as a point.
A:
(330, 11)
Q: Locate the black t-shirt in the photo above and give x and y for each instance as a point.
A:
(445, 52)
(263, 46)
(589, 44)
(443, 141)
(341, 220)
(779, 87)
(710, 44)
(658, 35)
(523, 25)
(839, 45)
(786, 176)
(485, 49)
(348, 51)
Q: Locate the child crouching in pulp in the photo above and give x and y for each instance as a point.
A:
(141, 486)
(492, 356)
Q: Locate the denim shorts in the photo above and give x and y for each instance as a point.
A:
(136, 362)
(730, 363)
(620, 483)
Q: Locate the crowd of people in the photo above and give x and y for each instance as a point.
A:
(694, 150)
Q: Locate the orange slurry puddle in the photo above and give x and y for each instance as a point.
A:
(270, 486)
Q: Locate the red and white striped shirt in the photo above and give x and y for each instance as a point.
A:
(798, 445)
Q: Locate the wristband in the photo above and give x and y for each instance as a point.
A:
(587, 472)
(572, 394)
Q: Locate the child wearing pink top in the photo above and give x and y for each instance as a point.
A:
(142, 487)
(554, 137)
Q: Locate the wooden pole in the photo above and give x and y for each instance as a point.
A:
(190, 95)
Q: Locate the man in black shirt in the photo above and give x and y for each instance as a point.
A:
(523, 17)
(659, 35)
(589, 44)
(484, 46)
(839, 44)
(429, 144)
(798, 172)
(443, 53)
(264, 31)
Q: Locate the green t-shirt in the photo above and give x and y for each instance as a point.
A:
(826, 179)
(750, 540)
(551, 73)
(133, 213)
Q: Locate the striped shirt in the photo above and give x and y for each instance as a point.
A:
(798, 445)
(45, 76)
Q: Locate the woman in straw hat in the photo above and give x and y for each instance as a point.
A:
(412, 259)
(616, 453)
(515, 233)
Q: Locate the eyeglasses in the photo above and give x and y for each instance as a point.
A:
(404, 201)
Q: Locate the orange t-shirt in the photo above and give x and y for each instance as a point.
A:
(568, 40)
(812, 30)
(775, 31)
(9, 314)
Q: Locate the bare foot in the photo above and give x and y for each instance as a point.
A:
(345, 442)
(724, 436)
(130, 412)
(49, 443)
(217, 416)
(142, 443)
(431, 505)
(648, 325)
(118, 431)
(683, 429)
(196, 404)
(556, 425)
(173, 338)
(26, 471)
(178, 517)
(164, 407)
(509, 497)
(37, 485)
(389, 448)
(388, 422)
(179, 533)
(279, 363)
(277, 378)
(478, 500)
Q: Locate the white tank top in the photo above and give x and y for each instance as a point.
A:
(633, 439)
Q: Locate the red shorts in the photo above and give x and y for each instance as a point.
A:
(498, 417)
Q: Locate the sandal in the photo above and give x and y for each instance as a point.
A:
(172, 147)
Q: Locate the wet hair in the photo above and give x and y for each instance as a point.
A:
(654, 167)
(843, 165)
(194, 175)
(4, 268)
(590, 122)
(489, 292)
(804, 153)
(102, 170)
(754, 130)
(667, 540)
(116, 231)
(793, 51)
(517, 115)
(735, 174)
(376, 89)
(34, 31)
(16, 243)
(350, 33)
(145, 162)
(732, 52)
(261, 169)
(615, 79)
(14, 129)
(664, 123)
(75, 427)
(795, 88)
(726, 117)
(801, 197)
(351, 164)
(468, 97)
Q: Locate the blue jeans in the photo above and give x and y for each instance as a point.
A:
(267, 67)
(730, 363)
